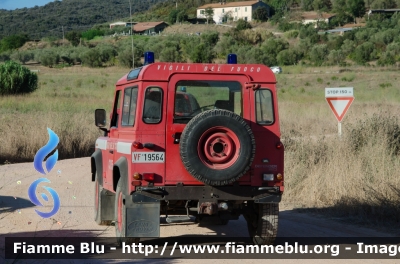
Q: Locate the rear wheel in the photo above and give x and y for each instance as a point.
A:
(98, 204)
(263, 224)
(120, 217)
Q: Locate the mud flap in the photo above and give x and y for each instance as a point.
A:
(107, 205)
(142, 216)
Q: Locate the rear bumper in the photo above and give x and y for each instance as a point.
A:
(213, 193)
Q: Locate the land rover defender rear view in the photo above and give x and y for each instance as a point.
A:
(187, 141)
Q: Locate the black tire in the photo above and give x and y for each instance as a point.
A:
(263, 224)
(98, 204)
(206, 126)
(120, 228)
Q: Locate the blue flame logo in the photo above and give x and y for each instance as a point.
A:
(44, 151)
(35, 200)
(50, 163)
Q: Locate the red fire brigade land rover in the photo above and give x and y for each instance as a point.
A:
(189, 141)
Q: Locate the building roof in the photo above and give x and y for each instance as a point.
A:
(352, 25)
(312, 15)
(231, 4)
(146, 25)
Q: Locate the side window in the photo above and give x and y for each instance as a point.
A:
(117, 105)
(264, 107)
(152, 105)
(129, 106)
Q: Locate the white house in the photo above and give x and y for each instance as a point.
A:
(314, 17)
(123, 24)
(236, 10)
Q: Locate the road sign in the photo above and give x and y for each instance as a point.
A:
(339, 100)
(339, 106)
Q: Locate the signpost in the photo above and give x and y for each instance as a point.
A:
(339, 100)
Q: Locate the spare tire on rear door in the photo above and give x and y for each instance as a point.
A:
(217, 147)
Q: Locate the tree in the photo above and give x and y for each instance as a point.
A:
(336, 57)
(322, 5)
(261, 14)
(356, 8)
(23, 56)
(172, 17)
(318, 54)
(12, 42)
(16, 79)
(74, 37)
(209, 13)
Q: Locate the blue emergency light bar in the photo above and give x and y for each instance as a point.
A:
(232, 58)
(148, 57)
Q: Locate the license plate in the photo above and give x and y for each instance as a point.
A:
(148, 157)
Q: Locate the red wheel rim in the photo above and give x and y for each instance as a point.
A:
(96, 201)
(218, 148)
(120, 211)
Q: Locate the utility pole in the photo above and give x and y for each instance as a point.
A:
(63, 32)
(133, 53)
(176, 7)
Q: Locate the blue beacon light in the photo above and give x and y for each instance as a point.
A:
(232, 58)
(148, 57)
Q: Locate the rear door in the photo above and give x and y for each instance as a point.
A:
(189, 95)
(264, 111)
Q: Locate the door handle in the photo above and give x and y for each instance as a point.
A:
(111, 151)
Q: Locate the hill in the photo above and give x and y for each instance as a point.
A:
(54, 17)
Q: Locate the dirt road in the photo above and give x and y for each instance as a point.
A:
(71, 179)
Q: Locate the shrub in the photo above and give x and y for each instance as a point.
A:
(318, 54)
(336, 57)
(242, 25)
(92, 58)
(5, 56)
(287, 57)
(48, 57)
(292, 34)
(92, 33)
(382, 128)
(364, 53)
(23, 56)
(16, 79)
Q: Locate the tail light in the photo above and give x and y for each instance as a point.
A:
(279, 145)
(137, 145)
(148, 177)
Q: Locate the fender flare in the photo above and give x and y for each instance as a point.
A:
(120, 172)
(96, 161)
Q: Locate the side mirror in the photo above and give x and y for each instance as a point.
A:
(100, 118)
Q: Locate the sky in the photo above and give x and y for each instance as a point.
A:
(13, 4)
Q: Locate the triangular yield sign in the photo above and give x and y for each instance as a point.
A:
(339, 106)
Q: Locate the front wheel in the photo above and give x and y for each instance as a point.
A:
(120, 217)
(263, 224)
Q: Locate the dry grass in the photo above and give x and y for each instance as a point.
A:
(65, 102)
(354, 176)
(357, 175)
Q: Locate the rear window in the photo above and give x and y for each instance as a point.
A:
(129, 106)
(194, 97)
(264, 107)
